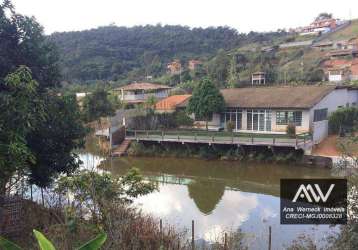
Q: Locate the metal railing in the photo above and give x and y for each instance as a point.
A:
(219, 137)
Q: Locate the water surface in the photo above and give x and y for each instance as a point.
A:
(222, 195)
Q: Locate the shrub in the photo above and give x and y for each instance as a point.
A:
(230, 126)
(182, 119)
(343, 119)
(291, 130)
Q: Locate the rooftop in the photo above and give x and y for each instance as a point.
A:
(300, 97)
(171, 102)
(143, 86)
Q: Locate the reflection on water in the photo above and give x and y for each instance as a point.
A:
(221, 195)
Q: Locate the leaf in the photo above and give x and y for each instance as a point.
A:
(8, 245)
(95, 243)
(44, 243)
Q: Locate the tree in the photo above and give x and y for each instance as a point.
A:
(22, 42)
(218, 68)
(323, 15)
(20, 112)
(205, 101)
(233, 75)
(97, 105)
(53, 140)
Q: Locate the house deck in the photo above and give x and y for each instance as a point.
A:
(302, 141)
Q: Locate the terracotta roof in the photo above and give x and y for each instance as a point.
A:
(171, 102)
(143, 86)
(276, 97)
(354, 69)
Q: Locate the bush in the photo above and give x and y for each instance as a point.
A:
(291, 130)
(230, 126)
(182, 119)
(343, 119)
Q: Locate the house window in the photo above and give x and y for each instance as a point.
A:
(233, 115)
(259, 120)
(320, 115)
(286, 117)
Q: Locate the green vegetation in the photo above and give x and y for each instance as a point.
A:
(291, 130)
(204, 151)
(205, 101)
(343, 120)
(45, 244)
(38, 129)
(97, 105)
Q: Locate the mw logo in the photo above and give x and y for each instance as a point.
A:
(310, 192)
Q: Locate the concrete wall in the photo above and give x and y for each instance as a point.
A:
(335, 99)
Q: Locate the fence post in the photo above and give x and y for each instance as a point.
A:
(225, 241)
(273, 139)
(31, 192)
(42, 197)
(161, 232)
(269, 244)
(252, 138)
(135, 134)
(232, 137)
(162, 135)
(147, 134)
(192, 235)
(296, 141)
(195, 135)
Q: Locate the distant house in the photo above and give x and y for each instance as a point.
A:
(271, 109)
(338, 75)
(174, 68)
(193, 64)
(338, 70)
(258, 78)
(140, 92)
(319, 26)
(171, 103)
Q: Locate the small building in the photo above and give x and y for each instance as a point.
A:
(271, 109)
(193, 64)
(338, 74)
(258, 78)
(171, 103)
(174, 68)
(140, 92)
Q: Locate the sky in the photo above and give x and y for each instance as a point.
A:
(243, 15)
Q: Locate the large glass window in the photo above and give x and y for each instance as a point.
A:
(320, 115)
(259, 120)
(286, 117)
(234, 115)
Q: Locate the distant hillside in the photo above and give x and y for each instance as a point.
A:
(346, 33)
(112, 53)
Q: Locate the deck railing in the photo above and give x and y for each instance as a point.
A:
(224, 137)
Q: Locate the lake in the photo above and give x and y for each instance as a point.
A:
(220, 195)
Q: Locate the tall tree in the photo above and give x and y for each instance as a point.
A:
(218, 68)
(21, 110)
(233, 75)
(97, 105)
(205, 101)
(22, 42)
(53, 140)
